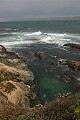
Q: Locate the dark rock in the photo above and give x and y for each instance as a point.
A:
(72, 45)
(39, 54)
(2, 49)
(62, 61)
(52, 63)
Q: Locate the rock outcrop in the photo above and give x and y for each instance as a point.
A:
(15, 74)
(39, 54)
(16, 80)
(73, 45)
(74, 64)
(16, 93)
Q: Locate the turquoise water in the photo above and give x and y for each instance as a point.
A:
(51, 87)
(53, 84)
(48, 37)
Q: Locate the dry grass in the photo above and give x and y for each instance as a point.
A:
(61, 109)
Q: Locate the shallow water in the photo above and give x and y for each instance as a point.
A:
(51, 87)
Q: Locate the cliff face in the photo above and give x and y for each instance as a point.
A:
(16, 80)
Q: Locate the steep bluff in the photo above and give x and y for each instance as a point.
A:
(16, 80)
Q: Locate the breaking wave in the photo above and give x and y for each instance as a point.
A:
(19, 38)
(34, 33)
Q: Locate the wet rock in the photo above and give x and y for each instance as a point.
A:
(74, 64)
(39, 54)
(73, 82)
(2, 49)
(62, 61)
(72, 45)
(52, 63)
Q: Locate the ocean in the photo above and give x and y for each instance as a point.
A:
(47, 37)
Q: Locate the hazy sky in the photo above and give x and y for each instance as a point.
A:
(25, 9)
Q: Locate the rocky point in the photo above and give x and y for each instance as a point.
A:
(16, 80)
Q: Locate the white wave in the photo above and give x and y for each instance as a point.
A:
(34, 33)
(16, 29)
(47, 40)
(6, 28)
(23, 38)
(17, 38)
(57, 34)
(16, 43)
(4, 33)
(74, 37)
(59, 39)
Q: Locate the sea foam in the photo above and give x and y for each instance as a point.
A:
(34, 33)
(19, 38)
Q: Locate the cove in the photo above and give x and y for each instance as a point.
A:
(49, 75)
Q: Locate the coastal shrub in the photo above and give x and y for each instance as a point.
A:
(5, 119)
(21, 117)
(77, 110)
(31, 116)
(78, 103)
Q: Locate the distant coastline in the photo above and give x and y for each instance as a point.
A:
(60, 18)
(54, 18)
(46, 18)
(64, 18)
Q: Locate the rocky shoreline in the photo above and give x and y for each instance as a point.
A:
(17, 88)
(16, 80)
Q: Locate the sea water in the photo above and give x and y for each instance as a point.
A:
(48, 37)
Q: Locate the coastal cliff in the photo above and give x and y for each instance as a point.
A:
(16, 80)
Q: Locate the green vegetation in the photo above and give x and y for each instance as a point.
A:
(31, 116)
(21, 117)
(77, 110)
(5, 119)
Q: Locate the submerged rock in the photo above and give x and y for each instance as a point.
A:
(62, 61)
(73, 45)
